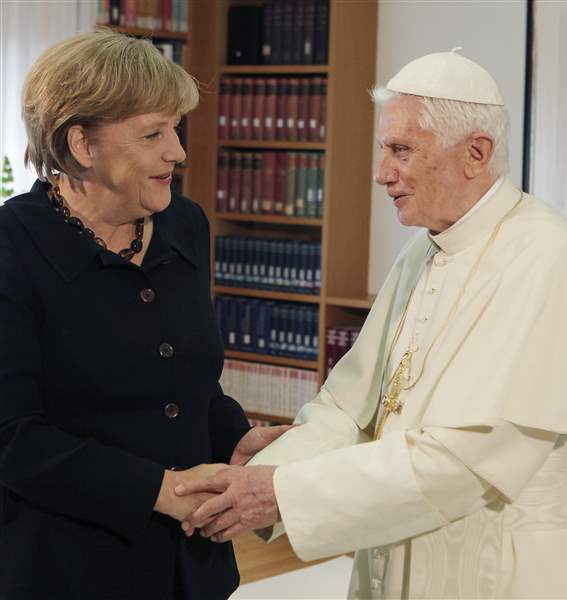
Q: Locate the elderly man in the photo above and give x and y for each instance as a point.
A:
(436, 448)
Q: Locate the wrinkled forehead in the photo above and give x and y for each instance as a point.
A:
(399, 118)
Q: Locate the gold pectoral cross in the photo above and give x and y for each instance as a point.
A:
(390, 403)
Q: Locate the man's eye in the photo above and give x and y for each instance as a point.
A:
(397, 149)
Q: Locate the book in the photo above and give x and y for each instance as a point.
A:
(257, 178)
(280, 193)
(224, 107)
(311, 185)
(281, 108)
(323, 110)
(297, 33)
(321, 33)
(320, 184)
(309, 31)
(270, 110)
(235, 163)
(313, 131)
(292, 108)
(267, 32)
(278, 40)
(258, 115)
(302, 110)
(235, 108)
(301, 185)
(247, 109)
(289, 206)
(223, 174)
(247, 182)
(269, 182)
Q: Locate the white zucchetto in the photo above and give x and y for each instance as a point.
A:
(447, 75)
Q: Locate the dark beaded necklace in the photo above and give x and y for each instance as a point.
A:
(58, 203)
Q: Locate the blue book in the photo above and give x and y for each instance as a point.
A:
(291, 329)
(282, 331)
(229, 253)
(264, 260)
(303, 266)
(219, 249)
(240, 249)
(245, 325)
(279, 264)
(287, 260)
(300, 333)
(261, 336)
(271, 278)
(231, 322)
(255, 260)
(274, 326)
(315, 335)
(294, 266)
(248, 262)
(317, 267)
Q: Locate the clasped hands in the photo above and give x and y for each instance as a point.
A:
(224, 500)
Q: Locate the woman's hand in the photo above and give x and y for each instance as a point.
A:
(255, 440)
(178, 507)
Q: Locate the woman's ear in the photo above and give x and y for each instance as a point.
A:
(80, 146)
(479, 151)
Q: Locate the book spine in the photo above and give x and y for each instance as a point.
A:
(320, 184)
(114, 12)
(288, 13)
(323, 111)
(267, 32)
(281, 182)
(270, 113)
(235, 108)
(321, 37)
(183, 16)
(166, 8)
(309, 32)
(223, 174)
(281, 106)
(297, 35)
(292, 109)
(247, 104)
(302, 110)
(235, 181)
(301, 185)
(277, 32)
(269, 183)
(224, 107)
(258, 167)
(289, 208)
(247, 179)
(258, 117)
(314, 108)
(311, 196)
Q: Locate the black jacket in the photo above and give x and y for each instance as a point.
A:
(92, 351)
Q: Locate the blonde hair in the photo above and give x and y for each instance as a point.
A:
(91, 79)
(452, 121)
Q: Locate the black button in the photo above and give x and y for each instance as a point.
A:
(166, 350)
(147, 295)
(171, 410)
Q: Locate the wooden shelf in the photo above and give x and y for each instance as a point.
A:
(272, 418)
(266, 294)
(269, 219)
(274, 69)
(283, 361)
(149, 33)
(362, 303)
(275, 145)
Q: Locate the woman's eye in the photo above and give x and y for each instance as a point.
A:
(152, 136)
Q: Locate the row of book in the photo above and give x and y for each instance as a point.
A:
(278, 183)
(276, 328)
(286, 265)
(285, 109)
(268, 389)
(340, 340)
(279, 32)
(172, 49)
(164, 15)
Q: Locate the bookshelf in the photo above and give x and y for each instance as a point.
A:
(343, 229)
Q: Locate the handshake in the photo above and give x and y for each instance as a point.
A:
(224, 500)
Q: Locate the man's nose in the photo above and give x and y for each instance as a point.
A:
(385, 173)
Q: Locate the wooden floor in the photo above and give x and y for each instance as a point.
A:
(258, 560)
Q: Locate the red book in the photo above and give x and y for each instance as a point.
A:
(165, 14)
(235, 108)
(257, 177)
(129, 13)
(247, 183)
(281, 106)
(222, 181)
(269, 182)
(235, 181)
(303, 110)
(280, 192)
(224, 108)
(247, 104)
(258, 109)
(292, 109)
(323, 112)
(270, 110)
(314, 109)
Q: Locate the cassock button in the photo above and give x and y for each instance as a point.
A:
(171, 410)
(439, 260)
(376, 553)
(148, 295)
(166, 350)
(375, 584)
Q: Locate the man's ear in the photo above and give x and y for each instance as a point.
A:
(479, 150)
(80, 146)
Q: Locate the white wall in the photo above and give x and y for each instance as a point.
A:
(493, 33)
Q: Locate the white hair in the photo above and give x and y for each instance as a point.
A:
(452, 121)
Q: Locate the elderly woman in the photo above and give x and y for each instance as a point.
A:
(109, 351)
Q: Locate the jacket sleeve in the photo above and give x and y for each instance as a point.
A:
(227, 424)
(46, 466)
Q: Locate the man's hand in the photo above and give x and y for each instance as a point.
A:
(176, 507)
(254, 441)
(247, 501)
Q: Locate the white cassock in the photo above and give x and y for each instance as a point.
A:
(465, 494)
